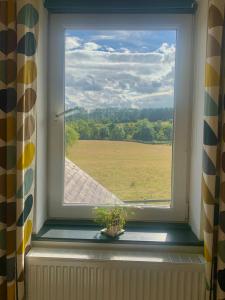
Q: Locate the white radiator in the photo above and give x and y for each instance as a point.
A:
(113, 275)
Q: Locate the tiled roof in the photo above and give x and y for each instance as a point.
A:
(79, 187)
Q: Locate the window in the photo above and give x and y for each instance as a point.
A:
(119, 114)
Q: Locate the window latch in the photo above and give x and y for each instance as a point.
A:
(66, 113)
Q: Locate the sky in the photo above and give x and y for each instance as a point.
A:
(125, 69)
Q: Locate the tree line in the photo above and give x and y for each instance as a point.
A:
(113, 127)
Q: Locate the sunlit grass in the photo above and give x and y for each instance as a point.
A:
(132, 171)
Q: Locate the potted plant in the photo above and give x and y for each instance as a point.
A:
(112, 218)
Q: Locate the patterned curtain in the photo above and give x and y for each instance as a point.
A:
(18, 72)
(213, 187)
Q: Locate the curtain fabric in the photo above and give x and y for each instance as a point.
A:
(213, 183)
(18, 72)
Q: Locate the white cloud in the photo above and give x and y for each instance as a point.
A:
(110, 49)
(168, 52)
(72, 42)
(91, 46)
(125, 50)
(103, 78)
(103, 37)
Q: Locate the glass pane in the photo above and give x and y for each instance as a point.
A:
(119, 103)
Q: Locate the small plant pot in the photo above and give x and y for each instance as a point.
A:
(112, 231)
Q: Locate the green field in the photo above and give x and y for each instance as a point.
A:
(132, 171)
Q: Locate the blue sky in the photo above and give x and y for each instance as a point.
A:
(119, 68)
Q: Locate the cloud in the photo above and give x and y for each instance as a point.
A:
(168, 52)
(115, 57)
(103, 37)
(91, 46)
(72, 42)
(83, 84)
(110, 49)
(98, 77)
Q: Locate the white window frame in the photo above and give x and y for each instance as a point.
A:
(183, 24)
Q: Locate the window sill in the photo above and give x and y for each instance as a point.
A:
(166, 234)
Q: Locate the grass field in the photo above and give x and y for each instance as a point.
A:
(132, 171)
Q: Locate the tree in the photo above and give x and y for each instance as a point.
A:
(144, 131)
(164, 131)
(129, 129)
(141, 130)
(117, 133)
(71, 135)
(84, 130)
(168, 131)
(104, 132)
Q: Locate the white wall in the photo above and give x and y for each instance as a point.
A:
(41, 105)
(200, 34)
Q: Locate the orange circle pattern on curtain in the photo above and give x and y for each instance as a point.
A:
(18, 76)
